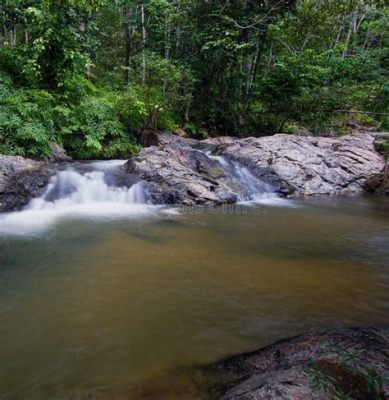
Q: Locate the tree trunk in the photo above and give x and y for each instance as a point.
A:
(143, 44)
(128, 44)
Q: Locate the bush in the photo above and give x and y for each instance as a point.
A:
(92, 129)
(26, 120)
(88, 129)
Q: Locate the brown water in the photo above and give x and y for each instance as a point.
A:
(111, 309)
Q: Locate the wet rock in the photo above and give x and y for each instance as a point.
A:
(179, 174)
(20, 180)
(312, 366)
(58, 154)
(309, 165)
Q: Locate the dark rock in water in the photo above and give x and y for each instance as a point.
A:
(179, 174)
(312, 366)
(21, 179)
(309, 165)
(58, 154)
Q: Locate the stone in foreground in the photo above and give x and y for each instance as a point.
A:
(309, 367)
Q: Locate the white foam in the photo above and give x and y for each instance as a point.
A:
(272, 200)
(71, 194)
(107, 164)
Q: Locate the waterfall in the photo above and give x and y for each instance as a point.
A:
(99, 190)
(102, 190)
(249, 189)
(71, 188)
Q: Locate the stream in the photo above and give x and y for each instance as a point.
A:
(105, 295)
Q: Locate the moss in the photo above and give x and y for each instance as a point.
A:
(382, 145)
(215, 172)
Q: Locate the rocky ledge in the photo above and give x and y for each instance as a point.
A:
(298, 165)
(176, 172)
(346, 363)
(21, 179)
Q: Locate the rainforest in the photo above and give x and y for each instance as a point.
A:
(194, 199)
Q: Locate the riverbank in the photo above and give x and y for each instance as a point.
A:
(179, 171)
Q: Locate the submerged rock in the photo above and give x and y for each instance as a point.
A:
(21, 179)
(312, 366)
(309, 165)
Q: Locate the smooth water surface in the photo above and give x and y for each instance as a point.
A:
(100, 308)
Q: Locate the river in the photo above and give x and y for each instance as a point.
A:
(108, 299)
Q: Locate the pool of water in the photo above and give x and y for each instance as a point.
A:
(111, 308)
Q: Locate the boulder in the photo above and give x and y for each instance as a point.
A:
(176, 172)
(162, 138)
(309, 165)
(382, 144)
(179, 174)
(21, 179)
(379, 183)
(308, 367)
(58, 153)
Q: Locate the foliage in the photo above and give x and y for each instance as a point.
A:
(92, 129)
(347, 378)
(26, 120)
(91, 74)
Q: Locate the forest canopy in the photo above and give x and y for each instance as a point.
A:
(92, 74)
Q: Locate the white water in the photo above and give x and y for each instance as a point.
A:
(252, 190)
(76, 194)
(92, 190)
(74, 189)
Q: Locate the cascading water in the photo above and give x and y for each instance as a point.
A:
(102, 190)
(98, 190)
(70, 188)
(248, 188)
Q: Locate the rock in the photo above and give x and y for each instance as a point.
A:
(20, 180)
(339, 360)
(309, 165)
(379, 183)
(58, 154)
(162, 138)
(382, 144)
(179, 174)
(181, 133)
(220, 140)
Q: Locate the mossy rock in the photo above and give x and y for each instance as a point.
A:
(215, 172)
